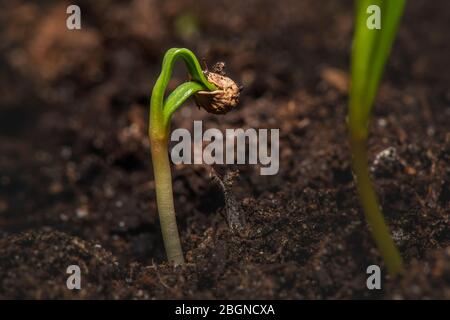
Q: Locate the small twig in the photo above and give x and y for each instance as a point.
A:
(234, 214)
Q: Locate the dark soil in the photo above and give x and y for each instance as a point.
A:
(76, 176)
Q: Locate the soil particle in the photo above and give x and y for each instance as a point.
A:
(428, 280)
(34, 266)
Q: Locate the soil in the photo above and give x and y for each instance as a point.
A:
(76, 176)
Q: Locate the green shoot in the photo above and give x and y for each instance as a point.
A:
(371, 48)
(161, 111)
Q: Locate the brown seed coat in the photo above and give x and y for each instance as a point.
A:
(219, 101)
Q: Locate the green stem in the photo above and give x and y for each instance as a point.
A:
(161, 111)
(370, 204)
(164, 198)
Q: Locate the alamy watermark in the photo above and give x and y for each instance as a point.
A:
(374, 279)
(235, 146)
(374, 20)
(74, 280)
(73, 21)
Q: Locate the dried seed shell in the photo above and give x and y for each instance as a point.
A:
(219, 101)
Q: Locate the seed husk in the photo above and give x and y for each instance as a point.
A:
(222, 100)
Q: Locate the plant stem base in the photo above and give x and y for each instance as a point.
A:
(164, 198)
(371, 207)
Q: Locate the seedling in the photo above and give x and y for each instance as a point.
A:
(371, 48)
(214, 92)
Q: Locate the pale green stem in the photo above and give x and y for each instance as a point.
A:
(372, 211)
(161, 111)
(164, 197)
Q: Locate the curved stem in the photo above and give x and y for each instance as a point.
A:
(178, 97)
(169, 60)
(369, 201)
(161, 111)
